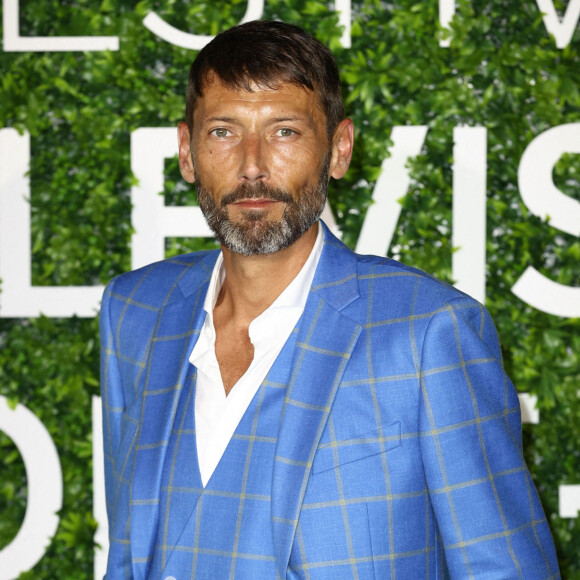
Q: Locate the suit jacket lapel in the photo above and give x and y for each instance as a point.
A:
(177, 328)
(325, 342)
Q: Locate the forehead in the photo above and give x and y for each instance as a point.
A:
(283, 98)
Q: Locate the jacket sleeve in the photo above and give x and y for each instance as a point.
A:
(113, 410)
(488, 512)
(111, 395)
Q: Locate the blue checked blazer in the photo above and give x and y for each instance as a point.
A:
(397, 451)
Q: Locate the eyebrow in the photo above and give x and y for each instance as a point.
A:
(289, 118)
(219, 120)
(280, 119)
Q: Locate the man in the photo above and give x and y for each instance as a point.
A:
(284, 407)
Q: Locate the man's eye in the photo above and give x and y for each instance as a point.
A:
(285, 132)
(220, 132)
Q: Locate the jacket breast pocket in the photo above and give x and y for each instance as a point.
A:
(337, 453)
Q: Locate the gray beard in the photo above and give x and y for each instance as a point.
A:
(255, 233)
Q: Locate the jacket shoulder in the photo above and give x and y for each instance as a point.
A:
(401, 294)
(155, 283)
(387, 274)
(392, 288)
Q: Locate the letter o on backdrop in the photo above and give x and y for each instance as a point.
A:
(44, 476)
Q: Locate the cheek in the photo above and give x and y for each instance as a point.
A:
(210, 162)
(215, 170)
(301, 174)
(299, 164)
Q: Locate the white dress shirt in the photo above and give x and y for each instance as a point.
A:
(217, 416)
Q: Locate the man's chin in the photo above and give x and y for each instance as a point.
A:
(257, 218)
(254, 217)
(256, 236)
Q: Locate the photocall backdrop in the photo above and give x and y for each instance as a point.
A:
(466, 165)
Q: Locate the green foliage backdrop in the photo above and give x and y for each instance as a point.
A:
(502, 71)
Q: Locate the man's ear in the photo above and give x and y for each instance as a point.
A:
(185, 160)
(342, 144)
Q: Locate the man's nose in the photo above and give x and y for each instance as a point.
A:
(253, 166)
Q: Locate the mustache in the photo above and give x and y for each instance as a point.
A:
(258, 191)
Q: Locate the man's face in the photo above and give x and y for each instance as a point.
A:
(261, 161)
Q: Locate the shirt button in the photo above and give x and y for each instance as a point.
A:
(170, 578)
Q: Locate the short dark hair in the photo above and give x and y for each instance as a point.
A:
(268, 53)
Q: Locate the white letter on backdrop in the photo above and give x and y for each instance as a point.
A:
(529, 408)
(151, 219)
(343, 7)
(382, 216)
(99, 501)
(546, 201)
(562, 30)
(13, 42)
(44, 490)
(569, 500)
(19, 299)
(446, 13)
(469, 210)
(177, 37)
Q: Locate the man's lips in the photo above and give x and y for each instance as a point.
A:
(260, 203)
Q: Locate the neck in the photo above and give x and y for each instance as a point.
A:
(253, 283)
